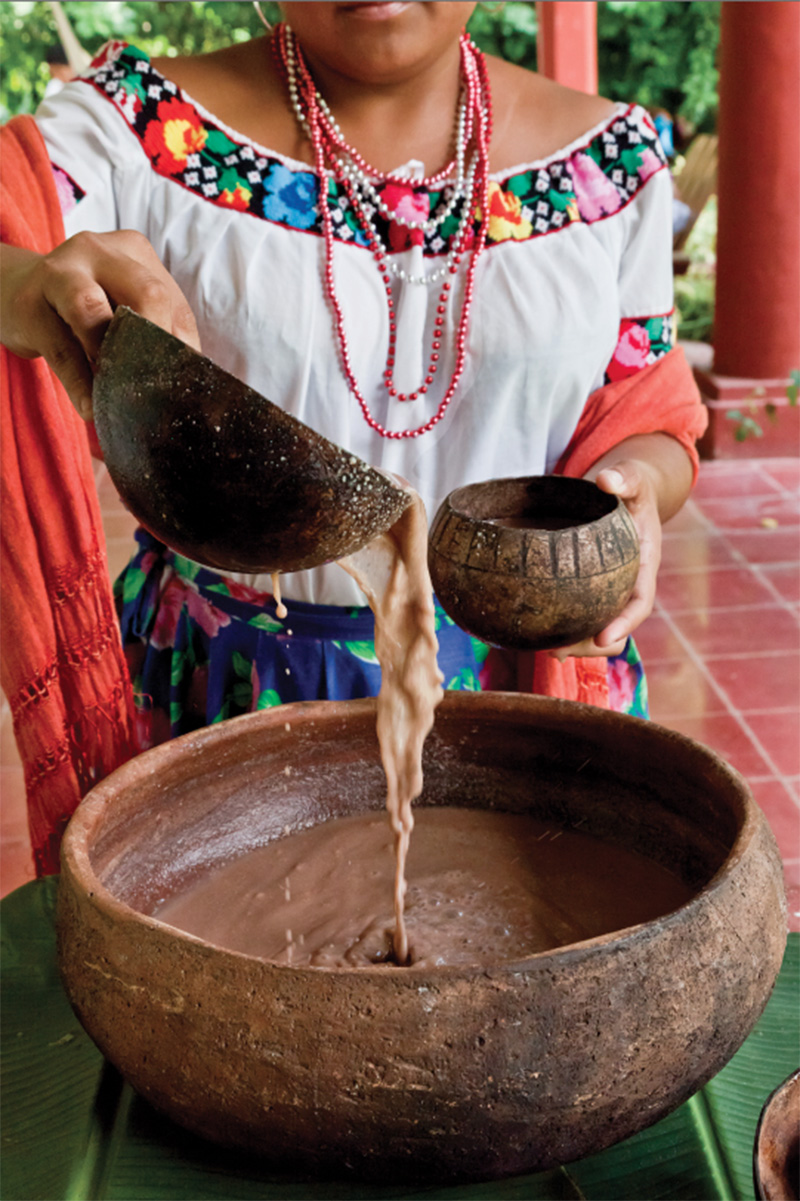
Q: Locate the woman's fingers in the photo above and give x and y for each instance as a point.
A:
(635, 488)
(588, 649)
(91, 274)
(59, 304)
(62, 351)
(150, 291)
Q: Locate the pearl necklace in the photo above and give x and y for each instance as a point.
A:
(473, 127)
(353, 168)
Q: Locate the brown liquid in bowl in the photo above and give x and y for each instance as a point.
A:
(483, 887)
(551, 521)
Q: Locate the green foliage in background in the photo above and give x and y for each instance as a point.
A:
(507, 30)
(694, 291)
(660, 54)
(159, 27)
(694, 307)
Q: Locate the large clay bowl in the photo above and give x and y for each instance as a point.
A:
(421, 1073)
(534, 562)
(776, 1157)
(218, 472)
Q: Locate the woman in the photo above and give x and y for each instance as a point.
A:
(491, 249)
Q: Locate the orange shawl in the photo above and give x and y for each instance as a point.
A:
(61, 663)
(661, 398)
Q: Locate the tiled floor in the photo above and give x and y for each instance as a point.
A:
(722, 647)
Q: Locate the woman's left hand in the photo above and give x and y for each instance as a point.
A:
(635, 483)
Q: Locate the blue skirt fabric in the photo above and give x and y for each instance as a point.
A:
(202, 648)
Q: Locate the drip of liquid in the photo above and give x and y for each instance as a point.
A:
(392, 571)
(280, 607)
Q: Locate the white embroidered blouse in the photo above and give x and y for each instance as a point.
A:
(573, 289)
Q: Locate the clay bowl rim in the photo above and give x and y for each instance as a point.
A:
(453, 501)
(75, 850)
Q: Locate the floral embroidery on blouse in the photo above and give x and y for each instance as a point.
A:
(68, 192)
(642, 340)
(588, 184)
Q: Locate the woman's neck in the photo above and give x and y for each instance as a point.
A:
(412, 117)
(242, 87)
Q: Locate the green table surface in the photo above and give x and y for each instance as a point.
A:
(72, 1129)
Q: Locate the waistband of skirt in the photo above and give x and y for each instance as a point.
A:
(239, 601)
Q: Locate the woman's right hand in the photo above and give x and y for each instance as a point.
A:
(58, 305)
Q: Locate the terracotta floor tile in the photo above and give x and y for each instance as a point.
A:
(785, 580)
(688, 520)
(14, 826)
(13, 810)
(766, 546)
(792, 877)
(712, 588)
(758, 682)
(118, 553)
(16, 865)
(730, 479)
(8, 743)
(16, 861)
(723, 734)
(785, 472)
(679, 688)
(656, 640)
(119, 525)
(783, 814)
(752, 629)
(682, 552)
(752, 512)
(779, 735)
(106, 492)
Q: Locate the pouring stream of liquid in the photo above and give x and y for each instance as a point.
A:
(392, 571)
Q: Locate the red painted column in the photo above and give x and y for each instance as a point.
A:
(566, 42)
(757, 319)
(757, 325)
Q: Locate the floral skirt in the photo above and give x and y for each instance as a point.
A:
(202, 648)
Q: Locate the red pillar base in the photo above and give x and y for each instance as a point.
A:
(763, 405)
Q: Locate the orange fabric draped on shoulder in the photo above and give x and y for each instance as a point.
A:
(661, 398)
(62, 667)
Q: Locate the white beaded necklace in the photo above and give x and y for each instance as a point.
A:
(333, 157)
(355, 172)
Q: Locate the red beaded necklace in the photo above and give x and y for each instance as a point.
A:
(333, 156)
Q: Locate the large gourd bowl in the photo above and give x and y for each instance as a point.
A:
(421, 1073)
(534, 562)
(218, 472)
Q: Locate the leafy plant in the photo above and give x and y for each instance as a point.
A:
(694, 306)
(746, 424)
(507, 30)
(28, 30)
(661, 55)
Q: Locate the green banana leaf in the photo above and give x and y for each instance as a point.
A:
(72, 1130)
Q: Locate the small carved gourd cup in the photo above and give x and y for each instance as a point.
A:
(535, 562)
